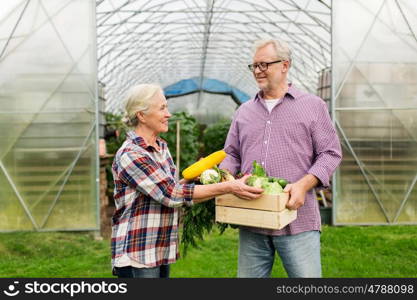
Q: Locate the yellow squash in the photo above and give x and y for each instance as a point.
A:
(206, 163)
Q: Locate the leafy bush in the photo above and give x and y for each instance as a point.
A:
(214, 136)
(189, 138)
(114, 122)
(200, 218)
(113, 143)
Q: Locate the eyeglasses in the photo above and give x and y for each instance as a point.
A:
(263, 66)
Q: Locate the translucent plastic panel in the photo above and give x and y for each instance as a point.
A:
(75, 197)
(375, 100)
(12, 213)
(376, 177)
(212, 107)
(379, 36)
(47, 116)
(356, 202)
(408, 214)
(379, 85)
(166, 41)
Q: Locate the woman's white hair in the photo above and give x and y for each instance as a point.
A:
(283, 51)
(139, 99)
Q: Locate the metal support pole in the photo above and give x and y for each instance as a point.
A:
(178, 123)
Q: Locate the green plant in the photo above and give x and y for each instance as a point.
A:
(189, 138)
(200, 218)
(214, 136)
(113, 143)
(114, 122)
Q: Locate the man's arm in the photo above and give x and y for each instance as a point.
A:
(326, 144)
(327, 156)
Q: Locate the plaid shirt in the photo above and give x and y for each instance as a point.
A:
(147, 198)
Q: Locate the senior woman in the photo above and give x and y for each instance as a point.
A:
(147, 197)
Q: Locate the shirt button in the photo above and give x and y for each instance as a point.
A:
(266, 142)
(262, 163)
(268, 122)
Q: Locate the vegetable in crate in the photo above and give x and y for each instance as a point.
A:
(226, 176)
(270, 185)
(210, 176)
(208, 162)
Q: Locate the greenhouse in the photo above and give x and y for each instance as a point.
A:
(66, 64)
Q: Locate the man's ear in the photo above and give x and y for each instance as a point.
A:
(286, 66)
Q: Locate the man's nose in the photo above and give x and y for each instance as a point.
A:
(257, 70)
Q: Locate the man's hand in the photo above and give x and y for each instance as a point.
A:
(297, 195)
(299, 189)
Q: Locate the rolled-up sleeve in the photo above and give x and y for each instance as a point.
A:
(327, 150)
(144, 174)
(232, 161)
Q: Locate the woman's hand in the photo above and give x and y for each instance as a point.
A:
(241, 189)
(187, 181)
(184, 181)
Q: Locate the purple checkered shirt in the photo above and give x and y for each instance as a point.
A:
(147, 197)
(295, 139)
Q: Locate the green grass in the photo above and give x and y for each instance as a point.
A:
(374, 251)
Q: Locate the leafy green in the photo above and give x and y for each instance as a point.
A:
(272, 188)
(282, 182)
(199, 219)
(258, 170)
(189, 141)
(257, 181)
(270, 185)
(214, 136)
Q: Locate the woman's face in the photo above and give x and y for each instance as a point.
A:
(156, 119)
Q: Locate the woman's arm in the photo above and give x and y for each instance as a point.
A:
(238, 187)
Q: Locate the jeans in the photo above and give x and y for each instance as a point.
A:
(132, 272)
(300, 254)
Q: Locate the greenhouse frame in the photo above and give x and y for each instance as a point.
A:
(359, 56)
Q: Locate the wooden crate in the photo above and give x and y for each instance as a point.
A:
(266, 202)
(254, 217)
(266, 212)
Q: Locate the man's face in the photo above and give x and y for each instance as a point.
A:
(275, 74)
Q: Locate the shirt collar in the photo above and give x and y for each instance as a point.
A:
(292, 92)
(140, 141)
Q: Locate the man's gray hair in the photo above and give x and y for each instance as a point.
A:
(282, 49)
(139, 99)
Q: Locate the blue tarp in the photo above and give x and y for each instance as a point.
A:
(189, 86)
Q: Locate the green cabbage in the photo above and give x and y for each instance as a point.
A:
(270, 185)
(256, 181)
(258, 170)
(272, 188)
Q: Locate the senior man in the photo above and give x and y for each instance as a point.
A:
(290, 133)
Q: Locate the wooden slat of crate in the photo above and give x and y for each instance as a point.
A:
(266, 202)
(255, 218)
